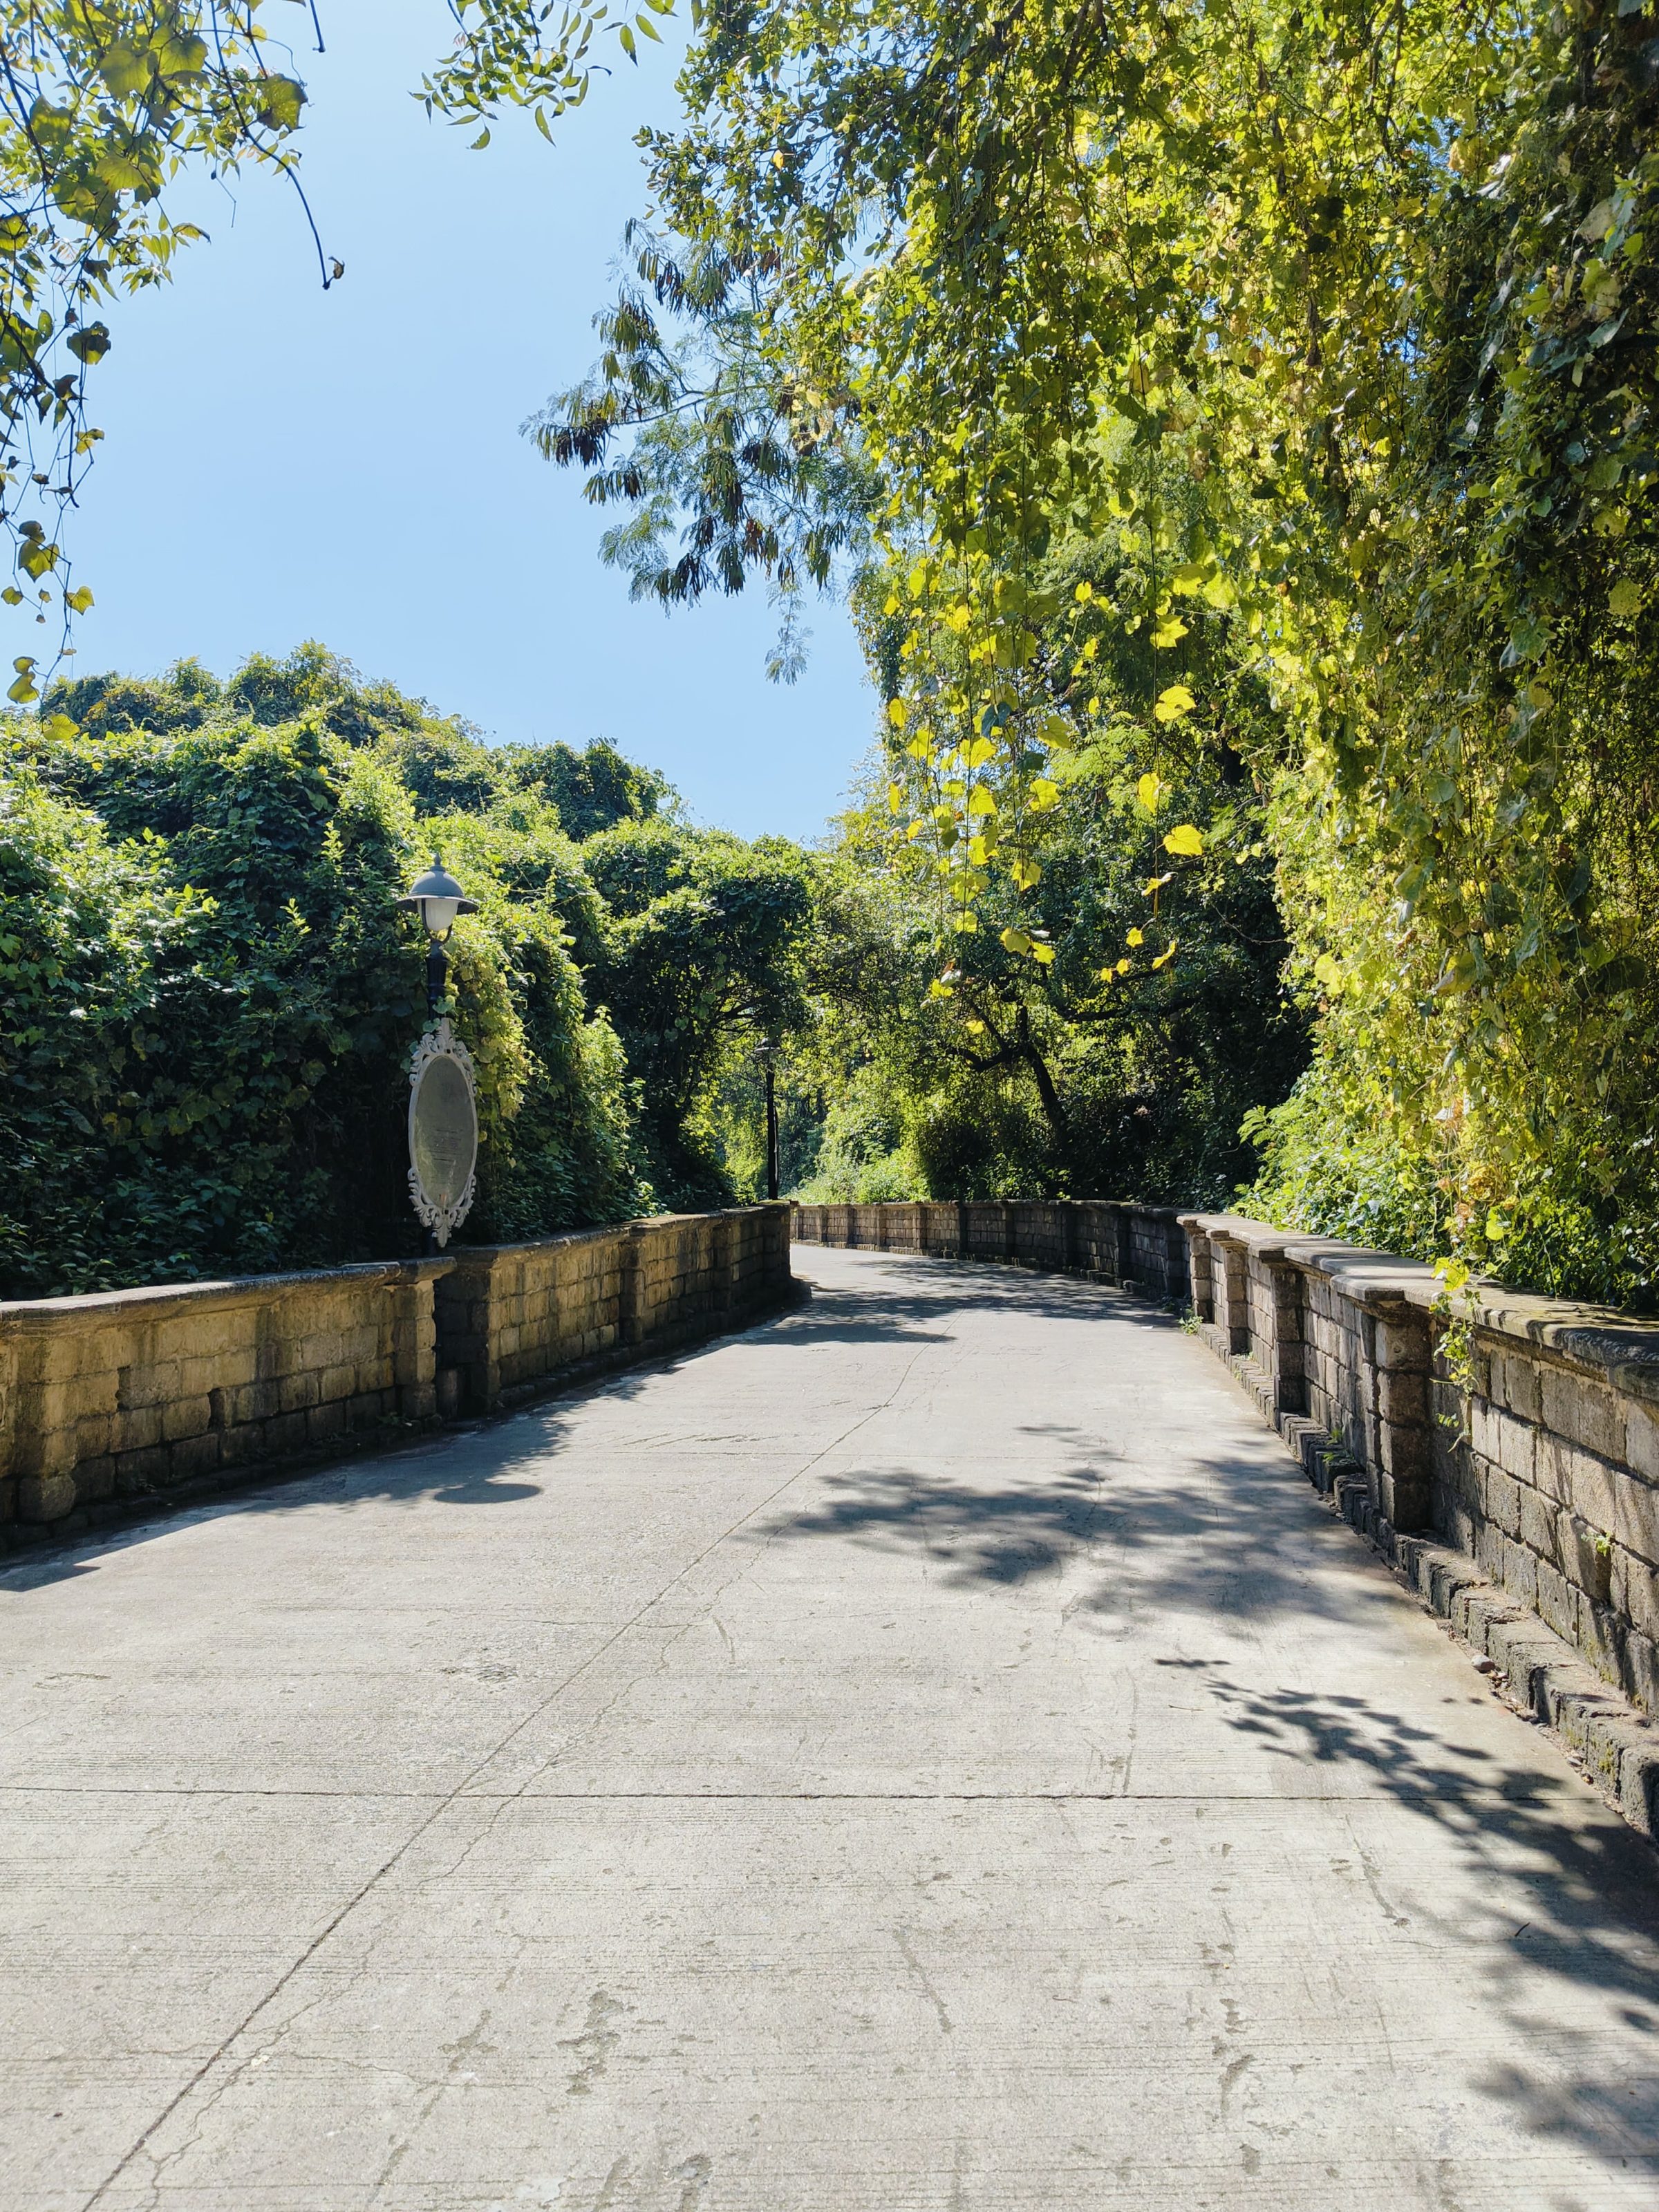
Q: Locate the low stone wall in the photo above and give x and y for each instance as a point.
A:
(1525, 1437)
(1141, 1247)
(128, 1393)
(510, 1315)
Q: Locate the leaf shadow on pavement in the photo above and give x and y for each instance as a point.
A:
(1566, 1890)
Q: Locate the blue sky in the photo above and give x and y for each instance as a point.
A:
(282, 464)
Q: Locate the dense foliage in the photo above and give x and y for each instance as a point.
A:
(210, 997)
(1332, 325)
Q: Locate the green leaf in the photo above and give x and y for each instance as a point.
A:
(626, 36)
(1625, 599)
(280, 100)
(90, 343)
(125, 69)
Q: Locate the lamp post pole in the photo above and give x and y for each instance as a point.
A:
(443, 1126)
(766, 1054)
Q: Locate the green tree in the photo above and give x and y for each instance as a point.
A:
(702, 950)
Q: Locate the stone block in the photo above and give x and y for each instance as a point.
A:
(1585, 1411)
(1454, 1521)
(94, 1478)
(1641, 1668)
(1538, 1524)
(1515, 1385)
(241, 1446)
(1401, 1343)
(1403, 1396)
(194, 1455)
(1641, 1438)
(336, 1383)
(1503, 1499)
(1556, 1601)
(1575, 1479)
(1525, 1649)
(325, 1422)
(296, 1394)
(94, 1434)
(155, 1383)
(253, 1402)
(1586, 1555)
(1636, 1515)
(1602, 1638)
(1520, 1576)
(1506, 1443)
(136, 1472)
(44, 1498)
(1634, 1590)
(137, 1428)
(1638, 1784)
(186, 1417)
(285, 1433)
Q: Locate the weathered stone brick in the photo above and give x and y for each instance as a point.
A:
(1585, 1411)
(1586, 1556)
(140, 1470)
(44, 1497)
(1635, 1514)
(1575, 1479)
(1503, 1499)
(193, 1455)
(1515, 1385)
(1556, 1601)
(1641, 1669)
(1521, 1572)
(1490, 1546)
(1538, 1520)
(186, 1417)
(1641, 1438)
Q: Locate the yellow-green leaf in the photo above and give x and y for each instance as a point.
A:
(1184, 839)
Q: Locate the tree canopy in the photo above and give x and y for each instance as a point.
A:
(1326, 334)
(211, 998)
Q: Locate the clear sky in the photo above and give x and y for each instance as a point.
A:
(282, 464)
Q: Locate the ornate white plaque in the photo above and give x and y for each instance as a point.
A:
(443, 1131)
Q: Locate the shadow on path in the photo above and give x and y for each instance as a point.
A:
(1567, 1889)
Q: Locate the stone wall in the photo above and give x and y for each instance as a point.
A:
(511, 1314)
(1522, 1432)
(1113, 1241)
(128, 1393)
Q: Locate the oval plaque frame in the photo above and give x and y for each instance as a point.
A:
(443, 1132)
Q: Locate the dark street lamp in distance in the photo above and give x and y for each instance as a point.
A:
(765, 1052)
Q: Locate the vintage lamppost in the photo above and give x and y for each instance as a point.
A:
(437, 898)
(765, 1052)
(443, 1113)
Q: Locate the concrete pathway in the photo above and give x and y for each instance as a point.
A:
(930, 1754)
